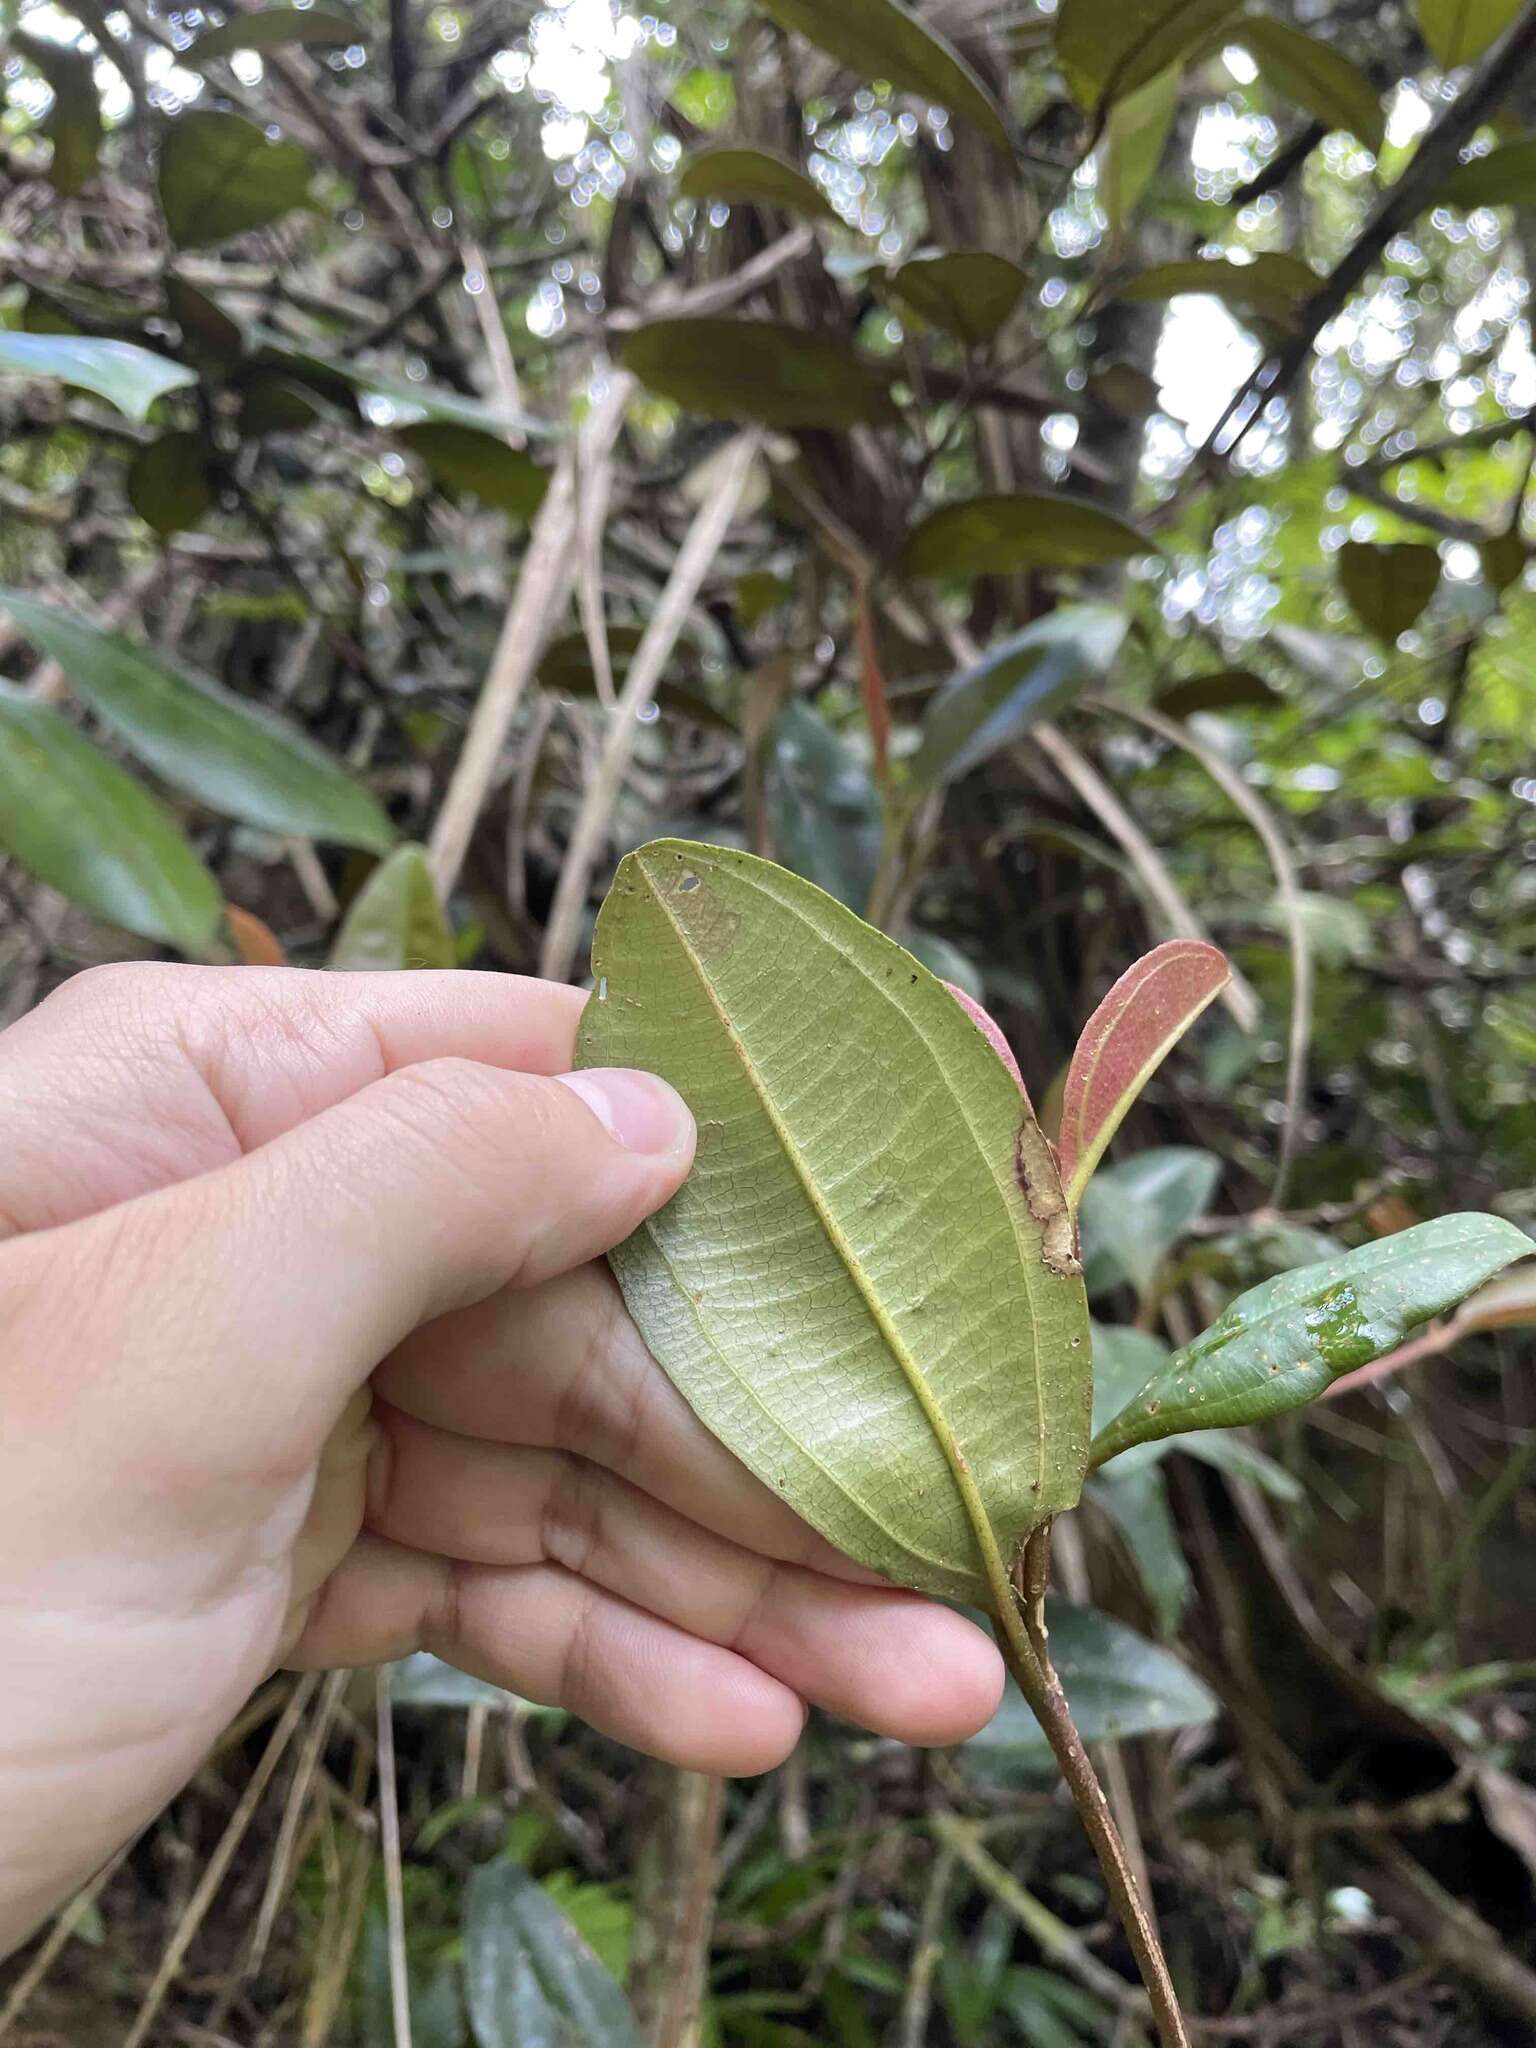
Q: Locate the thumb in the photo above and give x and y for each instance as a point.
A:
(243, 1307)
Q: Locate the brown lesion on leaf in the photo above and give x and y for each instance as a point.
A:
(1039, 1177)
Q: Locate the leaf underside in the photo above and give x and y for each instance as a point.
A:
(850, 1274)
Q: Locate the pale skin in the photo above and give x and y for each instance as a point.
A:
(309, 1358)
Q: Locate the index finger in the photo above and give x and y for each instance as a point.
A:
(132, 1077)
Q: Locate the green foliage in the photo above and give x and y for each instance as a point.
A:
(530, 1980)
(752, 177)
(127, 376)
(968, 292)
(220, 175)
(1002, 533)
(396, 920)
(884, 39)
(273, 27)
(757, 370)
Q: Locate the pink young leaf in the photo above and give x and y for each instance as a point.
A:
(1124, 1042)
(991, 1031)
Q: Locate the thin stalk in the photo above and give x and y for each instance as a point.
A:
(1021, 1636)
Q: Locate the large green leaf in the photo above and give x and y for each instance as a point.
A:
(883, 39)
(967, 292)
(271, 29)
(1388, 584)
(1313, 75)
(168, 482)
(82, 825)
(396, 920)
(1026, 677)
(1132, 1215)
(1117, 1685)
(757, 370)
(1006, 531)
(220, 176)
(469, 459)
(1282, 1343)
(1272, 285)
(752, 177)
(851, 1290)
(1135, 1498)
(530, 1980)
(1124, 1359)
(127, 376)
(73, 123)
(1459, 30)
(1106, 48)
(236, 757)
(1135, 136)
(1504, 177)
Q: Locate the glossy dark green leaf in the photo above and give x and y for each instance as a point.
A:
(1282, 1343)
(271, 29)
(967, 292)
(1388, 583)
(73, 122)
(1457, 31)
(1107, 48)
(1133, 1214)
(127, 376)
(909, 1372)
(209, 337)
(1029, 676)
(81, 824)
(823, 807)
(757, 370)
(1504, 177)
(1117, 1684)
(1272, 285)
(221, 176)
(1008, 531)
(167, 482)
(1223, 689)
(1124, 1359)
(753, 177)
(236, 757)
(273, 404)
(530, 1980)
(884, 39)
(468, 459)
(1313, 75)
(396, 919)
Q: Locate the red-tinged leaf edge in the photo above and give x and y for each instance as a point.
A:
(255, 941)
(1123, 1044)
(991, 1031)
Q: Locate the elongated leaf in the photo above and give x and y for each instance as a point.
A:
(237, 757)
(1135, 136)
(1007, 531)
(125, 375)
(1388, 584)
(396, 919)
(753, 177)
(73, 123)
(1313, 75)
(1132, 1215)
(168, 482)
(1106, 48)
(823, 809)
(220, 176)
(1504, 177)
(1123, 1044)
(1457, 31)
(254, 940)
(271, 29)
(757, 370)
(967, 292)
(1271, 285)
(1282, 1343)
(1024, 678)
(468, 459)
(209, 337)
(1117, 1684)
(1124, 1360)
(392, 401)
(850, 1289)
(1224, 689)
(529, 1979)
(884, 39)
(84, 826)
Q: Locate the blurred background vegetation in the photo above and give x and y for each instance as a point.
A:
(1057, 478)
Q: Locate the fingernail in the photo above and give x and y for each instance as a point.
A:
(639, 1111)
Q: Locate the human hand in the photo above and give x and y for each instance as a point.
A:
(306, 1360)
